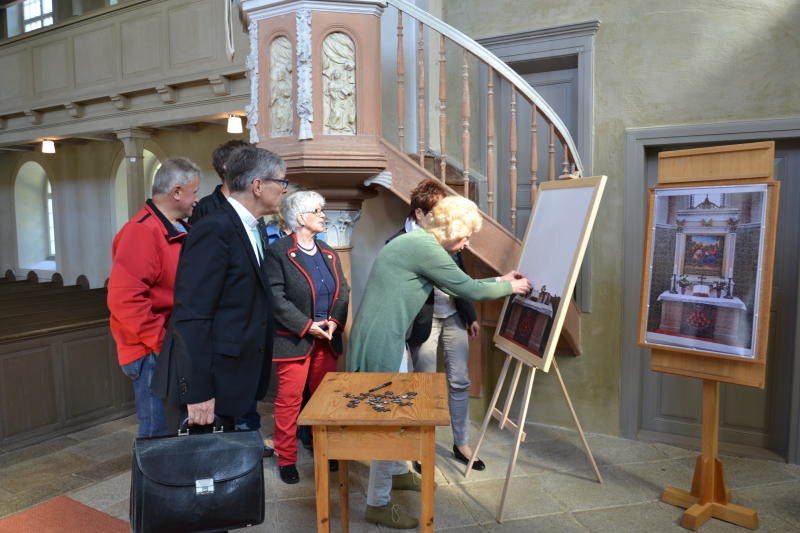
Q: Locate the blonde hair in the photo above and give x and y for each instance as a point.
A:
(453, 218)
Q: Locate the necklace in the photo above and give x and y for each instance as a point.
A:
(311, 249)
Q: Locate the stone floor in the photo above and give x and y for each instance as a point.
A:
(552, 490)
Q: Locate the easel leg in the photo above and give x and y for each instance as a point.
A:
(520, 425)
(577, 422)
(489, 412)
(512, 389)
(709, 497)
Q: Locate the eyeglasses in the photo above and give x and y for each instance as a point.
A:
(284, 183)
(318, 211)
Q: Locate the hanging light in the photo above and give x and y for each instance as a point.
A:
(234, 124)
(48, 147)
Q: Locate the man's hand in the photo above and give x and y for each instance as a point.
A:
(318, 330)
(473, 329)
(511, 276)
(201, 414)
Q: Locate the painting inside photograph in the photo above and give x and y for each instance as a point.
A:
(705, 258)
(555, 241)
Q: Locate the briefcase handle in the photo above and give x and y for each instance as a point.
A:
(183, 430)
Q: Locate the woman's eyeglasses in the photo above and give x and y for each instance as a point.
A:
(318, 211)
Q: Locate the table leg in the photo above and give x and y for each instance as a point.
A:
(344, 496)
(321, 479)
(428, 460)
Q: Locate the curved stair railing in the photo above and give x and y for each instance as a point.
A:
(545, 125)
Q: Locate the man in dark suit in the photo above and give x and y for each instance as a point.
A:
(217, 356)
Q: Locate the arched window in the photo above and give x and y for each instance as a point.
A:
(151, 164)
(35, 218)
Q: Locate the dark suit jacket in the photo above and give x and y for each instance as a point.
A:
(421, 326)
(209, 204)
(219, 344)
(293, 294)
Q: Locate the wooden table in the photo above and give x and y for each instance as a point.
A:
(361, 433)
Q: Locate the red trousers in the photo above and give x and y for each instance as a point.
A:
(292, 379)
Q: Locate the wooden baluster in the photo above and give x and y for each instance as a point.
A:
(465, 116)
(490, 144)
(512, 170)
(401, 85)
(442, 110)
(534, 158)
(565, 164)
(421, 93)
(551, 171)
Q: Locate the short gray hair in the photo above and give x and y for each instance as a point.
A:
(173, 172)
(298, 203)
(249, 164)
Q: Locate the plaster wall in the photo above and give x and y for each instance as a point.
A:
(656, 64)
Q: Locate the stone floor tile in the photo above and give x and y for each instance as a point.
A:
(305, 488)
(743, 472)
(676, 451)
(34, 451)
(583, 492)
(128, 424)
(41, 492)
(106, 447)
(106, 469)
(495, 458)
(555, 455)
(555, 523)
(655, 476)
(526, 498)
(52, 468)
(779, 499)
(449, 510)
(640, 518)
(616, 451)
(300, 515)
(105, 494)
(119, 510)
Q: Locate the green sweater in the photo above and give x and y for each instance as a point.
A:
(402, 277)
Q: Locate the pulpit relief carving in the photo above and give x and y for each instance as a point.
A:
(339, 84)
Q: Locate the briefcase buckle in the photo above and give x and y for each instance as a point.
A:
(204, 486)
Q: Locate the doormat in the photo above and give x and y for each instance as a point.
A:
(62, 515)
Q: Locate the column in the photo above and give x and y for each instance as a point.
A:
(133, 140)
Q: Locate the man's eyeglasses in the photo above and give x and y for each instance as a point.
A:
(284, 183)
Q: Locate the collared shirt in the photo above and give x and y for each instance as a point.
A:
(249, 221)
(443, 304)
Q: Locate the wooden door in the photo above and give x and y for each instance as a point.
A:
(751, 417)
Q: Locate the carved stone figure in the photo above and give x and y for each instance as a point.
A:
(339, 85)
(280, 76)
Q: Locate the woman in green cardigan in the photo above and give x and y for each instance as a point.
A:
(402, 277)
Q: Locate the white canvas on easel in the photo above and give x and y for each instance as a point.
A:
(553, 248)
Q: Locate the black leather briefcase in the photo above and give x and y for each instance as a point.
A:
(199, 482)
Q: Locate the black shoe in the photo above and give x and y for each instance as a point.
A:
(418, 467)
(268, 452)
(289, 474)
(477, 465)
(304, 434)
(333, 465)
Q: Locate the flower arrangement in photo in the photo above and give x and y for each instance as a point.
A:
(718, 285)
(684, 282)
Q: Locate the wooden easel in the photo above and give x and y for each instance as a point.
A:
(517, 427)
(742, 164)
(709, 497)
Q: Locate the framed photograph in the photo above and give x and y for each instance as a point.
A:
(704, 259)
(552, 251)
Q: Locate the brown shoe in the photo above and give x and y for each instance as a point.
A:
(391, 515)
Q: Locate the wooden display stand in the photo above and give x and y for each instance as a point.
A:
(516, 426)
(744, 164)
(403, 433)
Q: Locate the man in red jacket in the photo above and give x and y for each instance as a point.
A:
(140, 289)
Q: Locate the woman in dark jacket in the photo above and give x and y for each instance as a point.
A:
(311, 296)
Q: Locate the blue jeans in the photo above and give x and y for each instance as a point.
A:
(149, 408)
